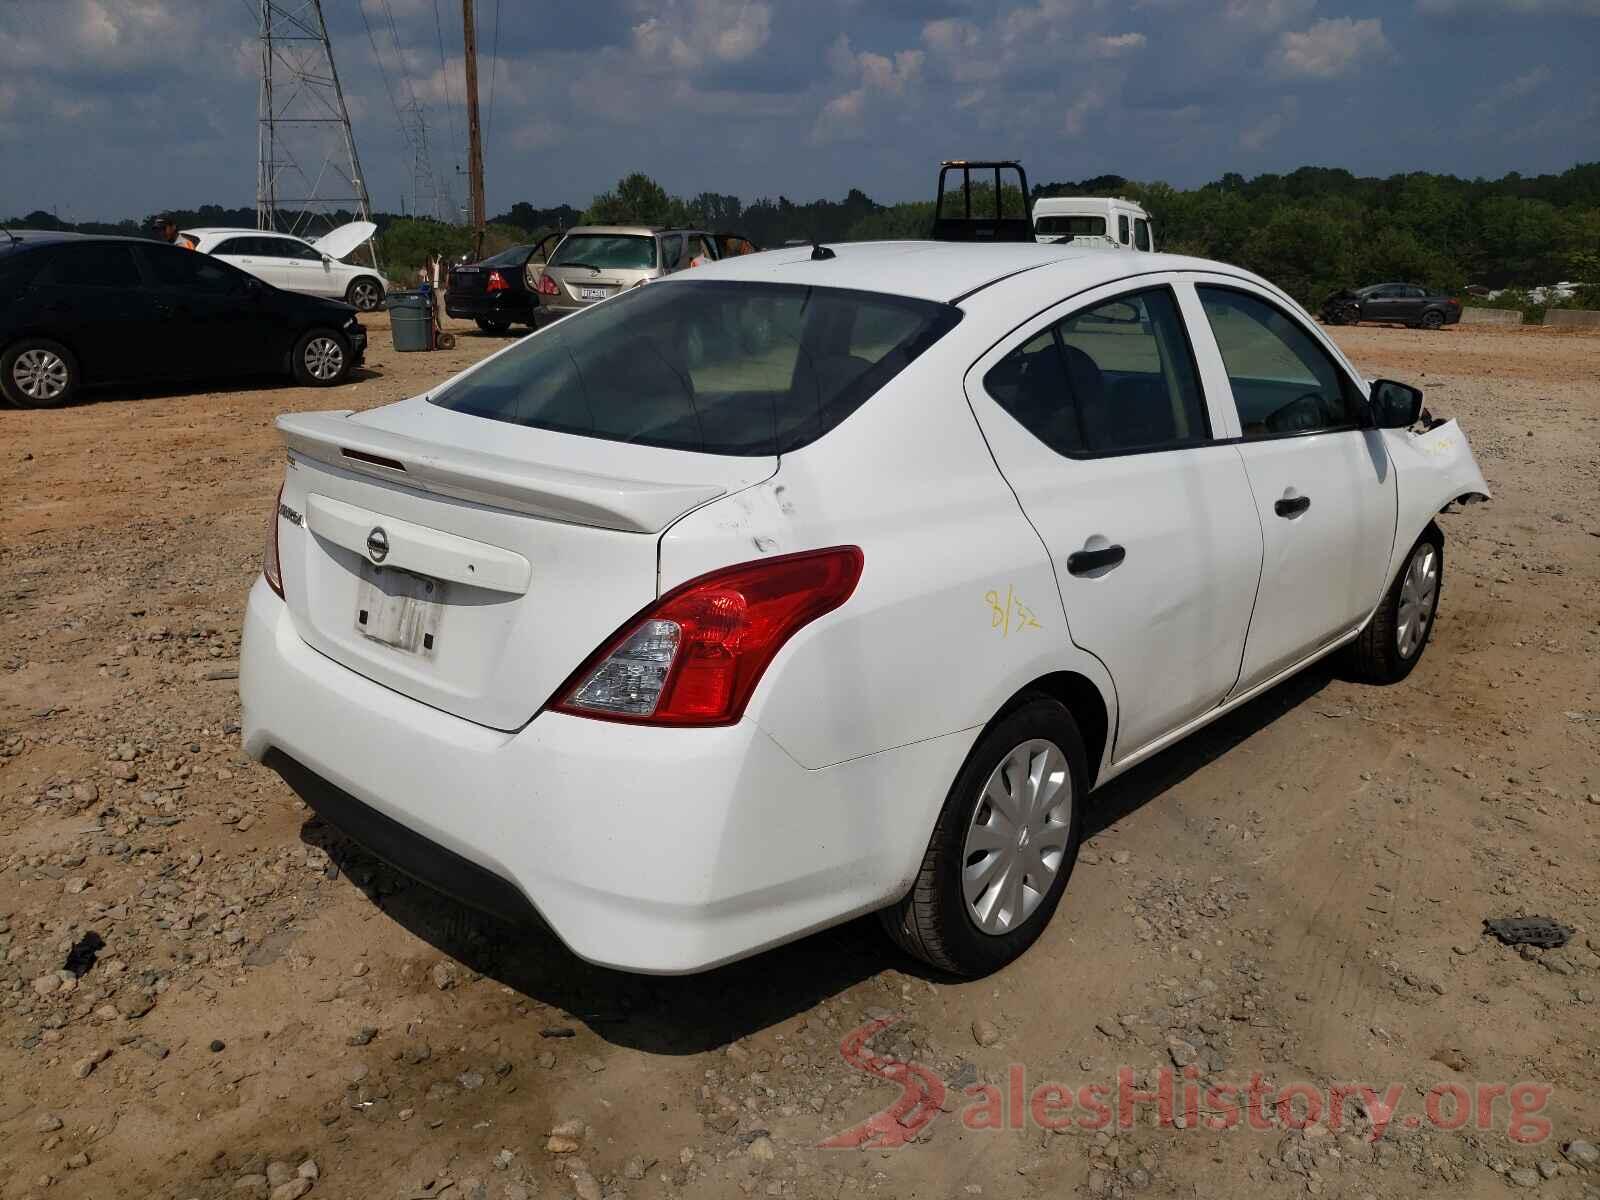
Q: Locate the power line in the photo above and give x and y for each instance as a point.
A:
(494, 71)
(382, 72)
(444, 70)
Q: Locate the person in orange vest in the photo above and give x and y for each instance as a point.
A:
(167, 230)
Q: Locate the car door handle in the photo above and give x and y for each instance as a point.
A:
(1081, 562)
(1292, 506)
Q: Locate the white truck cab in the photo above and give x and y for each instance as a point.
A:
(1091, 220)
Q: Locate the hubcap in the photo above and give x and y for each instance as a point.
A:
(1018, 837)
(40, 375)
(366, 296)
(1418, 591)
(324, 358)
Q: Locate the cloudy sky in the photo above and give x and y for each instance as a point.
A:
(112, 108)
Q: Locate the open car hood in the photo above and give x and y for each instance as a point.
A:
(338, 242)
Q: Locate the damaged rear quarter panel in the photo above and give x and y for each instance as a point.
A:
(1432, 469)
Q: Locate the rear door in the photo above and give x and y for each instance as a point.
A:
(1323, 486)
(1096, 416)
(90, 296)
(212, 322)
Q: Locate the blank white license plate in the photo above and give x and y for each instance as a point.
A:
(399, 609)
(593, 293)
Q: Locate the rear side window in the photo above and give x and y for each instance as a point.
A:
(1283, 381)
(90, 264)
(606, 251)
(1070, 226)
(711, 366)
(1117, 378)
(513, 257)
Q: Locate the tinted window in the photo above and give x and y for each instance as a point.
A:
(90, 264)
(1112, 379)
(608, 251)
(1141, 234)
(1070, 226)
(238, 245)
(1122, 229)
(671, 252)
(289, 248)
(1283, 381)
(190, 271)
(720, 367)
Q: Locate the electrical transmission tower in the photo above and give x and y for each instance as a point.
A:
(308, 170)
(428, 197)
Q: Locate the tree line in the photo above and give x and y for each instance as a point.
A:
(1311, 231)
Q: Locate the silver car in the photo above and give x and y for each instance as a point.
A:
(596, 261)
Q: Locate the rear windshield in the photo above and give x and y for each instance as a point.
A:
(607, 252)
(513, 257)
(1063, 226)
(711, 366)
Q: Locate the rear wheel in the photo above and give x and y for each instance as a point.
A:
(1393, 641)
(494, 327)
(1433, 319)
(366, 293)
(37, 373)
(1003, 847)
(321, 358)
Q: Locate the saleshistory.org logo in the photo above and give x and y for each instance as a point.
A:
(1179, 1100)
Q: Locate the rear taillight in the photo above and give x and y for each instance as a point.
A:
(271, 568)
(497, 282)
(694, 657)
(547, 286)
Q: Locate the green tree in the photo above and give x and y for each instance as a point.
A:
(638, 199)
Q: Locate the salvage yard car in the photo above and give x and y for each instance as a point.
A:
(503, 289)
(296, 265)
(1401, 303)
(78, 311)
(828, 581)
(595, 262)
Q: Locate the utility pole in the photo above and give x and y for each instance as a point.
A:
(474, 142)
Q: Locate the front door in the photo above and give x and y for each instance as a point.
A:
(212, 320)
(1322, 482)
(1097, 419)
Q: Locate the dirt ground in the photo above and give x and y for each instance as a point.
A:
(1297, 894)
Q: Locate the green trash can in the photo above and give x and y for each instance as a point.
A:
(411, 319)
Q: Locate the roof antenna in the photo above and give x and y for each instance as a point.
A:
(819, 252)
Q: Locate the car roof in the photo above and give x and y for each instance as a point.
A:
(633, 230)
(209, 229)
(44, 237)
(943, 271)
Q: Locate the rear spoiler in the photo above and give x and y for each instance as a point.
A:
(538, 489)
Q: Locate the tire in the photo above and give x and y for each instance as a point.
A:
(39, 373)
(366, 293)
(1348, 314)
(494, 327)
(1433, 319)
(321, 358)
(934, 921)
(1392, 642)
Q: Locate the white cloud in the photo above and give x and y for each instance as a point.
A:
(1076, 118)
(1267, 16)
(1256, 137)
(1331, 47)
(1116, 44)
(1514, 8)
(1515, 89)
(872, 74)
(690, 34)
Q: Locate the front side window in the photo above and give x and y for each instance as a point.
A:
(607, 252)
(90, 264)
(671, 251)
(1117, 378)
(1283, 381)
(717, 367)
(190, 272)
(1141, 234)
(1122, 229)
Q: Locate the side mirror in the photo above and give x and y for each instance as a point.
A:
(326, 261)
(1395, 405)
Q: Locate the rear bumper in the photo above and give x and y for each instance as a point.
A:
(491, 306)
(654, 850)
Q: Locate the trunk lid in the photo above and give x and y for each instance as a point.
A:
(470, 564)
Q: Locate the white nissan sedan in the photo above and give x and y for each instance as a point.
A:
(812, 583)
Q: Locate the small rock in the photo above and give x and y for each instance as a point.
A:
(253, 1185)
(1182, 1053)
(1582, 1154)
(308, 1170)
(561, 1144)
(633, 1168)
(470, 1080)
(77, 1162)
(46, 984)
(984, 1032)
(1523, 1177)
(572, 1127)
(218, 1045)
(1120, 856)
(292, 1190)
(1548, 1168)
(444, 976)
(279, 1173)
(49, 1123)
(762, 1149)
(585, 1186)
(593, 1065)
(363, 1036)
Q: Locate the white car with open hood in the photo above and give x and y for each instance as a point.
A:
(815, 583)
(295, 265)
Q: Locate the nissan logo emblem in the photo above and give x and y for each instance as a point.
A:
(378, 544)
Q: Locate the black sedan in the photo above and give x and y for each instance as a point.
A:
(1401, 303)
(79, 311)
(502, 290)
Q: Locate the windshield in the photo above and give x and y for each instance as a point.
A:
(1070, 226)
(716, 367)
(607, 251)
(513, 257)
